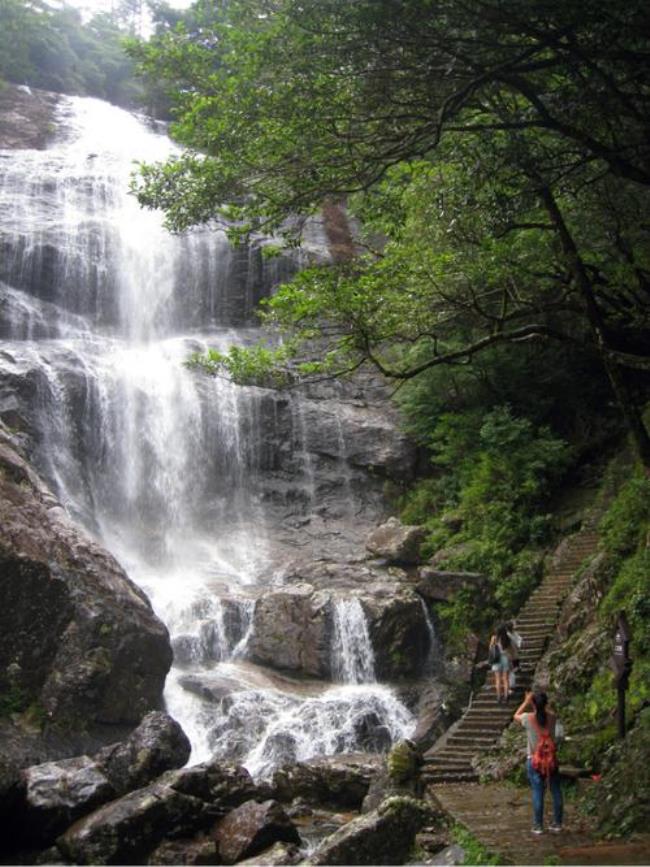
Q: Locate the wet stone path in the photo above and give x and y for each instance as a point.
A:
(500, 817)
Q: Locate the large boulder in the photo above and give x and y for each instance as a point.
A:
(276, 855)
(579, 607)
(438, 585)
(383, 836)
(58, 793)
(125, 831)
(253, 827)
(157, 745)
(338, 781)
(201, 849)
(399, 776)
(396, 542)
(399, 630)
(79, 642)
(221, 787)
(292, 630)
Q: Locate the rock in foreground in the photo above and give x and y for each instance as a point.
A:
(79, 642)
(384, 836)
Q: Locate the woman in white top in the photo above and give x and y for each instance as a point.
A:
(536, 719)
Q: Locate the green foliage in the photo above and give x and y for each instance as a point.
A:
(620, 801)
(497, 472)
(52, 48)
(14, 699)
(591, 714)
(628, 518)
(475, 851)
(258, 366)
(625, 530)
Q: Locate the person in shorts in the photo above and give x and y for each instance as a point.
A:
(501, 668)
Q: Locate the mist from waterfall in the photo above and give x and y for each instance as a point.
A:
(100, 308)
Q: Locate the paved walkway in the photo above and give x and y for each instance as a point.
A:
(450, 758)
(500, 817)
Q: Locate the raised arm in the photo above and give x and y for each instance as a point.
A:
(525, 707)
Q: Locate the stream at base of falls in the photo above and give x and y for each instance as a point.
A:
(169, 469)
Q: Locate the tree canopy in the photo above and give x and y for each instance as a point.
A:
(51, 47)
(495, 152)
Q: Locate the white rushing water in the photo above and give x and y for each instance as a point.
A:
(100, 307)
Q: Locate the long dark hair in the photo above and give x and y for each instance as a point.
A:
(540, 701)
(502, 637)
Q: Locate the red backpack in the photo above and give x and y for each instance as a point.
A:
(544, 759)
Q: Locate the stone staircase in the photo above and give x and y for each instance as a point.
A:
(450, 758)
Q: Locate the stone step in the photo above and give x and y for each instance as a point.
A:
(451, 762)
(474, 742)
(478, 730)
(452, 755)
(493, 719)
(535, 630)
(441, 777)
(539, 633)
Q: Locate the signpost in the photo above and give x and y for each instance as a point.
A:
(622, 665)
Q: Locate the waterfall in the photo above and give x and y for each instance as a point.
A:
(353, 660)
(99, 308)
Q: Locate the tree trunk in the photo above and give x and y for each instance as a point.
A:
(616, 377)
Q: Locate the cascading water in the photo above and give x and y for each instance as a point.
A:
(354, 660)
(99, 307)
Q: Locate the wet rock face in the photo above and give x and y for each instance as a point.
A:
(78, 640)
(396, 542)
(157, 745)
(369, 437)
(27, 117)
(252, 828)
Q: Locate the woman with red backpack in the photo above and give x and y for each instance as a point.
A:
(543, 730)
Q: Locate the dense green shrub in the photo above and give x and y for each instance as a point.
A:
(495, 473)
(627, 520)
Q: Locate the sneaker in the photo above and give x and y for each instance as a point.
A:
(536, 830)
(555, 828)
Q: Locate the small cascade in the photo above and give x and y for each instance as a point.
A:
(341, 720)
(212, 629)
(434, 654)
(346, 475)
(304, 454)
(353, 660)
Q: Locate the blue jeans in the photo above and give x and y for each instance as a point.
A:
(538, 785)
